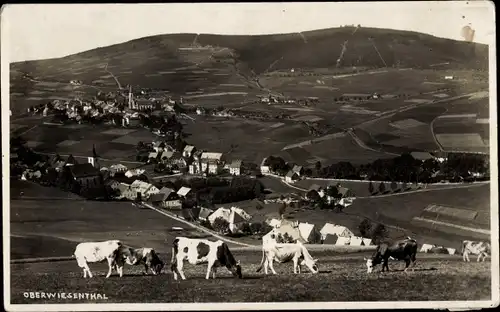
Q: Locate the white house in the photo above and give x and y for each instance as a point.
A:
(146, 189)
(236, 217)
(330, 229)
(291, 177)
(264, 168)
(356, 241)
(309, 233)
(235, 167)
(183, 191)
(343, 241)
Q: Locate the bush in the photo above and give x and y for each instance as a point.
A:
(246, 229)
(371, 189)
(365, 227)
(221, 225)
(381, 188)
(206, 224)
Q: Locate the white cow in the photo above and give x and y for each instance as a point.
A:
(98, 252)
(482, 249)
(200, 251)
(282, 253)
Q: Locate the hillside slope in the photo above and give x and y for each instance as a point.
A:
(183, 63)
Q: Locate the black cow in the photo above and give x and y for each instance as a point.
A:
(405, 249)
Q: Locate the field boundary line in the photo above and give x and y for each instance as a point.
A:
(476, 230)
(41, 259)
(197, 226)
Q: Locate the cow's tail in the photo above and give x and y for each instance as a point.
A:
(175, 249)
(262, 261)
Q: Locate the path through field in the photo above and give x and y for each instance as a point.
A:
(341, 278)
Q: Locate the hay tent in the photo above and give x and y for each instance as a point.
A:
(356, 241)
(309, 233)
(343, 241)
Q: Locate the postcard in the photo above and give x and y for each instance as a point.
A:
(236, 156)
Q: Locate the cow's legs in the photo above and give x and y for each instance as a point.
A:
(180, 266)
(484, 256)
(385, 265)
(146, 269)
(209, 269)
(111, 264)
(271, 266)
(295, 261)
(466, 255)
(119, 269)
(407, 264)
(86, 269)
(266, 265)
(214, 270)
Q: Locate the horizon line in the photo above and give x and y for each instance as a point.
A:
(246, 35)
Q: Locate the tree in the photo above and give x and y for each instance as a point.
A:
(370, 187)
(317, 166)
(255, 228)
(221, 225)
(394, 186)
(381, 188)
(282, 209)
(404, 186)
(365, 227)
(379, 233)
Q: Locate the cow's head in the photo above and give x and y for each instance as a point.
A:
(236, 270)
(369, 265)
(156, 264)
(311, 264)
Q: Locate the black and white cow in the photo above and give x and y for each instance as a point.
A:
(98, 252)
(405, 249)
(146, 256)
(479, 248)
(200, 251)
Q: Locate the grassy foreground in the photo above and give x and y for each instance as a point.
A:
(341, 278)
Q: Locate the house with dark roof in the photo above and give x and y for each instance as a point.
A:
(85, 175)
(235, 167)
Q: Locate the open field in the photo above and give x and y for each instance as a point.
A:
(238, 138)
(109, 142)
(341, 278)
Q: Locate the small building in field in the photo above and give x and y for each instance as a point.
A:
(264, 166)
(356, 241)
(188, 151)
(291, 177)
(299, 170)
(184, 192)
(426, 248)
(235, 167)
(339, 230)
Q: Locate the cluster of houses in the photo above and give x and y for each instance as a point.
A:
(305, 232)
(192, 160)
(128, 107)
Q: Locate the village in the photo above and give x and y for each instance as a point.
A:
(218, 180)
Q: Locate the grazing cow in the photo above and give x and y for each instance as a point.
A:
(98, 252)
(481, 249)
(282, 253)
(199, 251)
(405, 249)
(146, 256)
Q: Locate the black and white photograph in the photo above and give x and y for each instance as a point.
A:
(215, 156)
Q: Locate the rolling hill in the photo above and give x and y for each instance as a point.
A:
(184, 63)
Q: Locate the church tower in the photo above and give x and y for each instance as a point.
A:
(93, 159)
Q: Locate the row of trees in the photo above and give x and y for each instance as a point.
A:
(404, 168)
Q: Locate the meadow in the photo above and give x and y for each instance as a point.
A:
(341, 278)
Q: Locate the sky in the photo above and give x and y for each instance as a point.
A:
(40, 31)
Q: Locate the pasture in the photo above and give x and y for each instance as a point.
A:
(238, 138)
(341, 278)
(110, 143)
